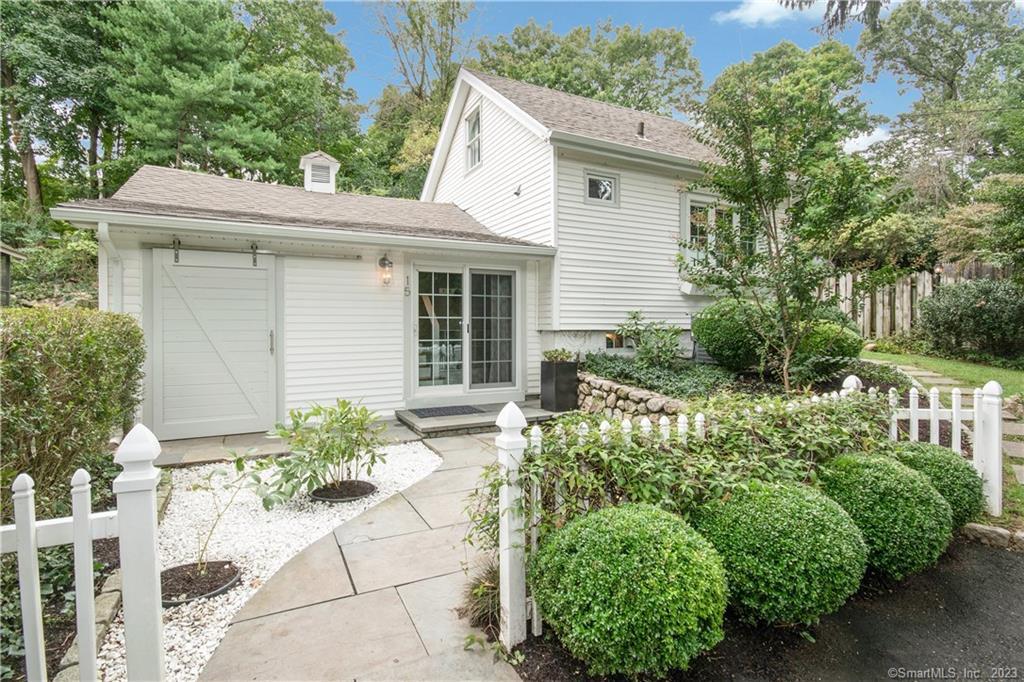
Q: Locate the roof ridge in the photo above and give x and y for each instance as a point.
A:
(477, 72)
(274, 183)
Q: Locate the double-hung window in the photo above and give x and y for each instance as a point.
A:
(698, 223)
(473, 140)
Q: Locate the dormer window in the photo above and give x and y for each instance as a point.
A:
(473, 157)
(319, 169)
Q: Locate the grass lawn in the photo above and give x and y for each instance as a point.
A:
(972, 374)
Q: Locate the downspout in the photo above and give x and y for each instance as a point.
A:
(110, 276)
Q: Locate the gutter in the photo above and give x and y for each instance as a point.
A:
(623, 151)
(86, 217)
(113, 259)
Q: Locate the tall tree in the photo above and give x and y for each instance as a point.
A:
(839, 14)
(651, 70)
(185, 98)
(777, 124)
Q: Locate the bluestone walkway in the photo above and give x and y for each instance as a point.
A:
(376, 599)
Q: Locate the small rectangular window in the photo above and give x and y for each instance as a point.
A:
(602, 189)
(613, 340)
(473, 140)
(748, 236)
(699, 220)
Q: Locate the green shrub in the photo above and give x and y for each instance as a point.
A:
(69, 379)
(683, 379)
(829, 312)
(900, 343)
(825, 350)
(950, 474)
(879, 376)
(630, 590)
(905, 522)
(558, 355)
(982, 315)
(791, 554)
(656, 343)
(723, 329)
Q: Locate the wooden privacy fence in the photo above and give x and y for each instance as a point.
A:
(134, 523)
(893, 309)
(986, 434)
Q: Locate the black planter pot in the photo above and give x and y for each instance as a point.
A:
(558, 385)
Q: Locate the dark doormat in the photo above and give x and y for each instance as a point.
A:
(452, 411)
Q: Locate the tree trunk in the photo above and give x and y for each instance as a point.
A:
(33, 187)
(93, 158)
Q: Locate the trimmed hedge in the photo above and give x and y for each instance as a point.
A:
(825, 349)
(791, 554)
(950, 474)
(630, 590)
(723, 329)
(905, 522)
(983, 315)
(70, 377)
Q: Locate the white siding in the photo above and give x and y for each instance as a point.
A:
(533, 341)
(614, 259)
(512, 158)
(342, 333)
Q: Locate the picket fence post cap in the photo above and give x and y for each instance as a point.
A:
(853, 383)
(510, 417)
(140, 445)
(535, 431)
(993, 388)
(80, 478)
(23, 483)
(663, 421)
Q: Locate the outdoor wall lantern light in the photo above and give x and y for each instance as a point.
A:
(387, 268)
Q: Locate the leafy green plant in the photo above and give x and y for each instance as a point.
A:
(558, 355)
(216, 481)
(656, 343)
(950, 474)
(900, 343)
(481, 601)
(69, 379)
(329, 444)
(880, 376)
(724, 330)
(905, 522)
(791, 554)
(982, 315)
(825, 350)
(682, 380)
(630, 590)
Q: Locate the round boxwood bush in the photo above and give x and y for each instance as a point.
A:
(724, 330)
(829, 312)
(791, 554)
(630, 590)
(826, 348)
(905, 522)
(950, 474)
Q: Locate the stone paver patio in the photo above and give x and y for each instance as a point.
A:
(375, 599)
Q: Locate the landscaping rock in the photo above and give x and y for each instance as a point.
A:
(989, 535)
(1017, 541)
(611, 400)
(69, 674)
(656, 404)
(619, 400)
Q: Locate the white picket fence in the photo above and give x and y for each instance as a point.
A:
(134, 522)
(987, 456)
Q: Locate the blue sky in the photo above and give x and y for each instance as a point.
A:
(723, 33)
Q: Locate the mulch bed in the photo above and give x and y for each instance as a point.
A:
(343, 491)
(181, 583)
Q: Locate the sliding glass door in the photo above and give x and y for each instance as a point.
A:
(443, 351)
(491, 329)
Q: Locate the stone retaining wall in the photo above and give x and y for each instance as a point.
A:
(615, 400)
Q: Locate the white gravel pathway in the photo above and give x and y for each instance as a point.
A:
(258, 541)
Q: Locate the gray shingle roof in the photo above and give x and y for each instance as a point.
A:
(154, 190)
(562, 112)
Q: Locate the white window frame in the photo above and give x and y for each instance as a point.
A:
(601, 175)
(475, 141)
(689, 202)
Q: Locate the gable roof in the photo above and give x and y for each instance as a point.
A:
(562, 112)
(159, 191)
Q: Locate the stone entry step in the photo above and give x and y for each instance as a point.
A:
(481, 422)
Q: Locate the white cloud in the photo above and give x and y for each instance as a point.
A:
(767, 13)
(865, 140)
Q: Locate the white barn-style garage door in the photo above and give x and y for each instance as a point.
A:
(213, 343)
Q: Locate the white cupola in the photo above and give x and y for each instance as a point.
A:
(320, 169)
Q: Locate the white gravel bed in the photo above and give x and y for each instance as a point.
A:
(257, 541)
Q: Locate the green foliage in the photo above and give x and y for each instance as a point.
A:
(951, 474)
(981, 315)
(558, 355)
(825, 350)
(656, 343)
(59, 270)
(725, 330)
(630, 590)
(905, 522)
(791, 554)
(991, 227)
(481, 600)
(652, 70)
(69, 378)
(680, 380)
(329, 444)
(777, 123)
(900, 343)
(880, 376)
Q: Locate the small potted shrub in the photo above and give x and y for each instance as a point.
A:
(331, 447)
(558, 380)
